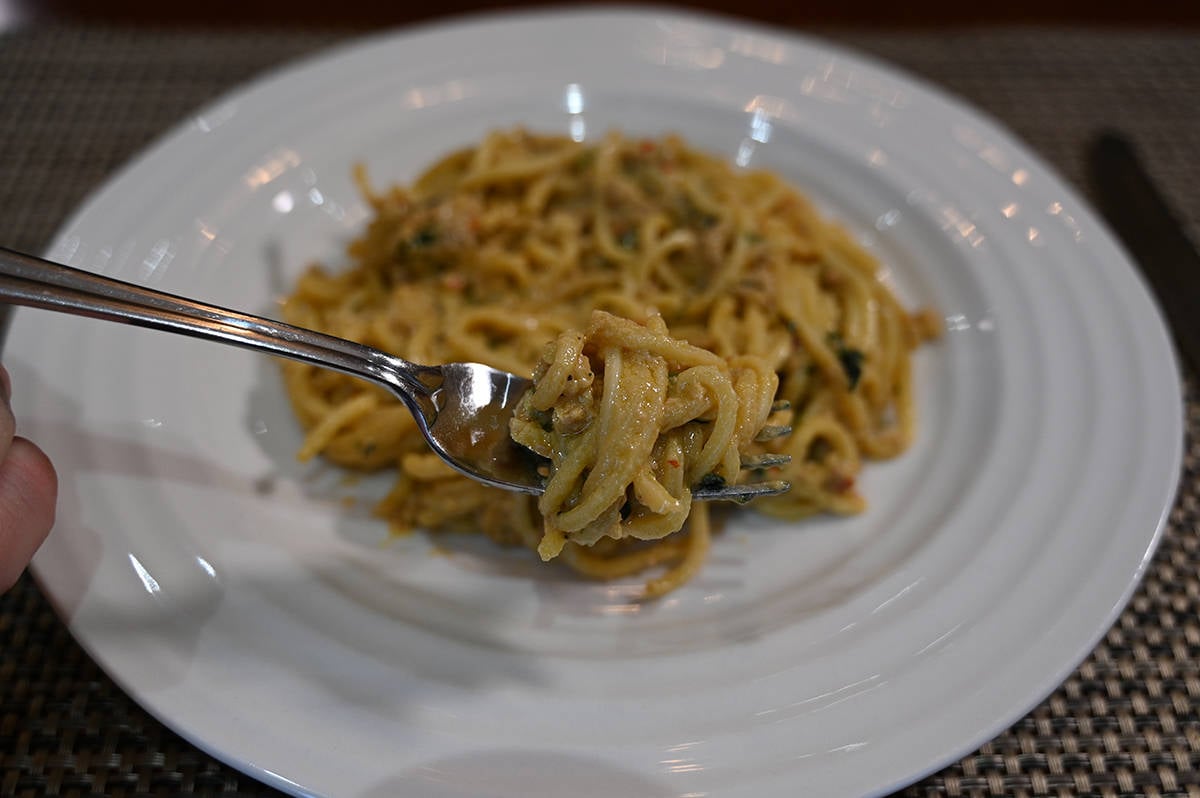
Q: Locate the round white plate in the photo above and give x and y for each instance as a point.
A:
(253, 605)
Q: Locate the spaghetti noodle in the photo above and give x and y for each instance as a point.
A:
(668, 306)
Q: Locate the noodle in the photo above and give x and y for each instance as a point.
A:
(668, 306)
(630, 420)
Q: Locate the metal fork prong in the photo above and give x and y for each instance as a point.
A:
(781, 404)
(772, 431)
(754, 462)
(741, 493)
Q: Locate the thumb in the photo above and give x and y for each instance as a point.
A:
(28, 492)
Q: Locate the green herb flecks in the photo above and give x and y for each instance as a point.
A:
(425, 237)
(850, 358)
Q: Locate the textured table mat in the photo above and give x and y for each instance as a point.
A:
(77, 103)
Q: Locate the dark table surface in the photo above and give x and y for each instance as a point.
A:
(876, 14)
(78, 99)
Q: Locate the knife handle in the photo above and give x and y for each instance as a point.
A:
(1136, 209)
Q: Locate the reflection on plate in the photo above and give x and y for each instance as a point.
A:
(254, 606)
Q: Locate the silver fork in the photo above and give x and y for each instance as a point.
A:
(462, 409)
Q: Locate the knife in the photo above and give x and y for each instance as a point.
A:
(1151, 231)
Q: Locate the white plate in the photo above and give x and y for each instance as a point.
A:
(234, 596)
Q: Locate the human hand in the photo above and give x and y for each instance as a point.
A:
(28, 491)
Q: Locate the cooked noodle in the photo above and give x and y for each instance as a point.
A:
(671, 306)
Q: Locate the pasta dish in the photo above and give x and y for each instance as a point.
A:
(679, 316)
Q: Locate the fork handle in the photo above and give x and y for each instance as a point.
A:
(35, 282)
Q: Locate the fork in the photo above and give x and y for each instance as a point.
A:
(462, 409)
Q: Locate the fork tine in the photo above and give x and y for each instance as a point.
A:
(741, 493)
(756, 461)
(715, 489)
(772, 431)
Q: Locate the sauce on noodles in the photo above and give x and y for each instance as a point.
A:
(668, 305)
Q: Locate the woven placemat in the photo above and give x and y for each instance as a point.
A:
(77, 103)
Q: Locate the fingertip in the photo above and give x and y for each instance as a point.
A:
(28, 495)
(37, 469)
